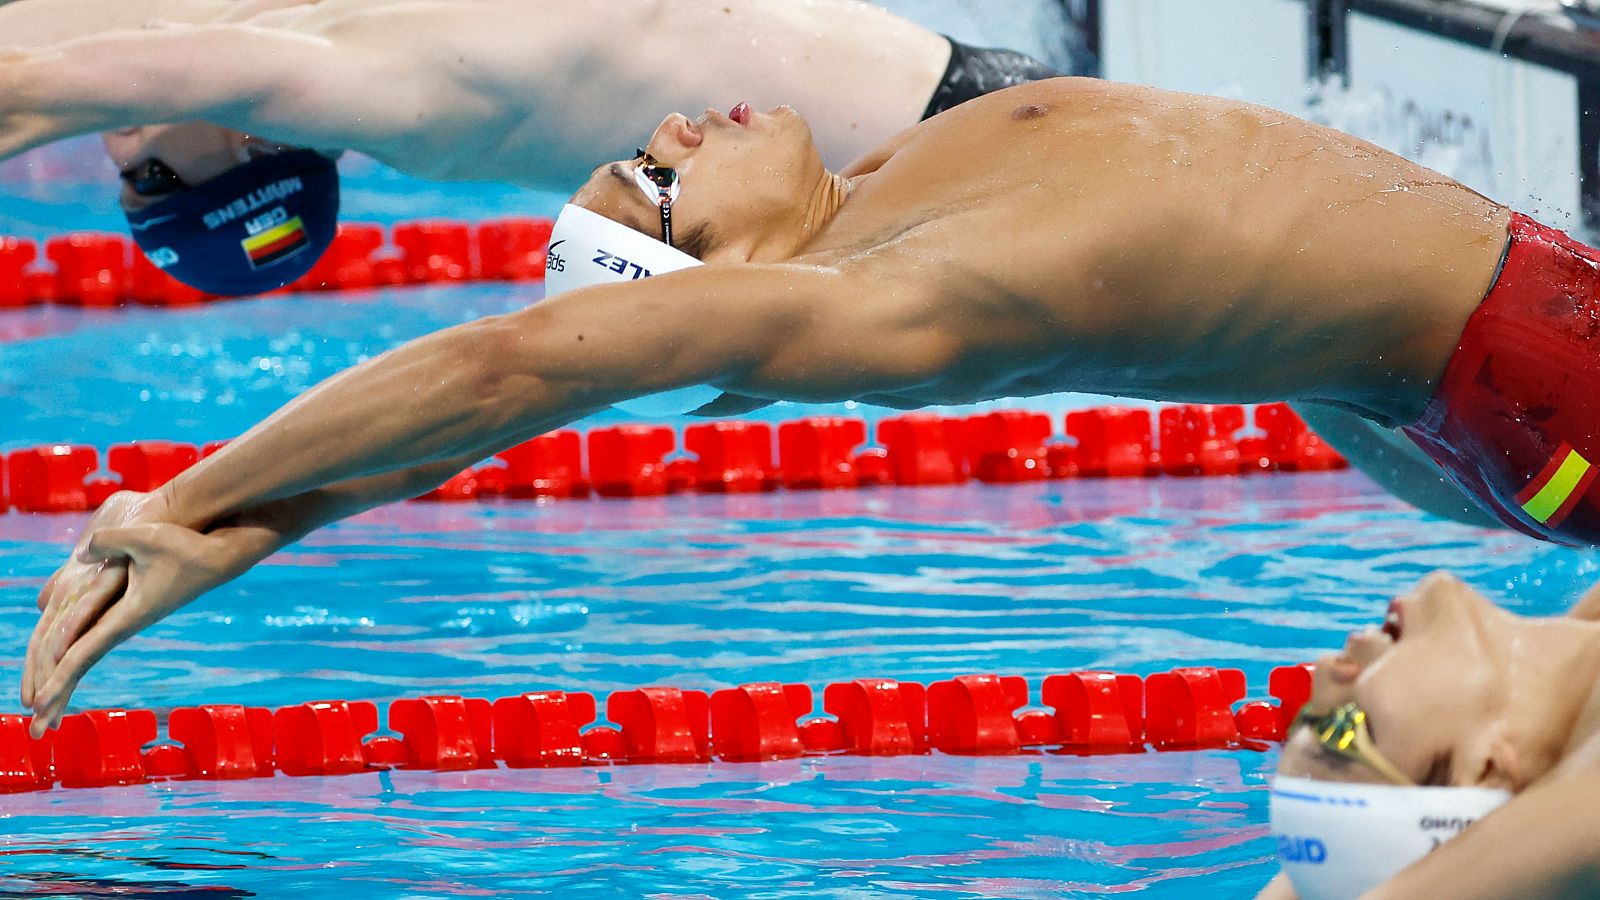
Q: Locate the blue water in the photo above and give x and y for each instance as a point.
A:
(697, 591)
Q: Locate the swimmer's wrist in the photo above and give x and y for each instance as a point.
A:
(174, 504)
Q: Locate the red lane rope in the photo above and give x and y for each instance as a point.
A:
(737, 457)
(103, 270)
(1087, 713)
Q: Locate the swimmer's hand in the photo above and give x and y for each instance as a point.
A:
(127, 574)
(76, 586)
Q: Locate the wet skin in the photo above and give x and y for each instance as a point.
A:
(1087, 236)
(522, 91)
(1065, 235)
(1459, 692)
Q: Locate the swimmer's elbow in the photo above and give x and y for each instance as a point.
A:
(518, 371)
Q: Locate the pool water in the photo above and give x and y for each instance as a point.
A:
(698, 591)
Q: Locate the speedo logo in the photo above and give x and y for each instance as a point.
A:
(1307, 850)
(617, 264)
(552, 260)
(252, 201)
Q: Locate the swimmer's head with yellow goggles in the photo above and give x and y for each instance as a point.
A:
(1343, 732)
(1338, 839)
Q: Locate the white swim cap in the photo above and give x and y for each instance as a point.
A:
(1338, 840)
(587, 249)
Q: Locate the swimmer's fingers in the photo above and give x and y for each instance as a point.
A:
(164, 566)
(61, 623)
(120, 621)
(51, 600)
(49, 585)
(108, 584)
(30, 661)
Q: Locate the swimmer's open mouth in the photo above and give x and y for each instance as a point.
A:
(740, 114)
(1392, 621)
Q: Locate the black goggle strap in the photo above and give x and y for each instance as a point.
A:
(664, 180)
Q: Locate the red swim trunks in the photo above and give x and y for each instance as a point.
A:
(1515, 421)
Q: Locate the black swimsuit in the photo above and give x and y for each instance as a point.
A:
(975, 71)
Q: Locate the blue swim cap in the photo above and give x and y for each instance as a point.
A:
(255, 227)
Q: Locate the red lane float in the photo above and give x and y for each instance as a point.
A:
(1097, 710)
(433, 252)
(1291, 443)
(444, 733)
(973, 713)
(628, 460)
(323, 737)
(1192, 707)
(24, 762)
(540, 729)
(512, 249)
(733, 456)
(1113, 442)
(923, 448)
(1091, 712)
(879, 716)
(224, 742)
(550, 465)
(1199, 440)
(91, 268)
(147, 465)
(347, 264)
(758, 721)
(50, 479)
(102, 747)
(662, 724)
(816, 453)
(16, 255)
(1008, 446)
(104, 270)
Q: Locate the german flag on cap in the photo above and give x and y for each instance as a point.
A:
(276, 243)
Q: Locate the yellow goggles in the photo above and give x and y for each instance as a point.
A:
(1343, 732)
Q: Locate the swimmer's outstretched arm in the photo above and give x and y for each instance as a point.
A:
(174, 565)
(782, 332)
(495, 90)
(36, 23)
(292, 87)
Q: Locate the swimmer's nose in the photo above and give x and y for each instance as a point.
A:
(677, 130)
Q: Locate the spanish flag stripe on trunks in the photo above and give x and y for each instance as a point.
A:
(1557, 488)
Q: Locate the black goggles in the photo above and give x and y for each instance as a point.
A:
(153, 178)
(660, 184)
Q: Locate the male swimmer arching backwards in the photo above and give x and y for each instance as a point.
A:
(241, 195)
(1063, 235)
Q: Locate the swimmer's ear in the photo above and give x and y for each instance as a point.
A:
(1588, 606)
